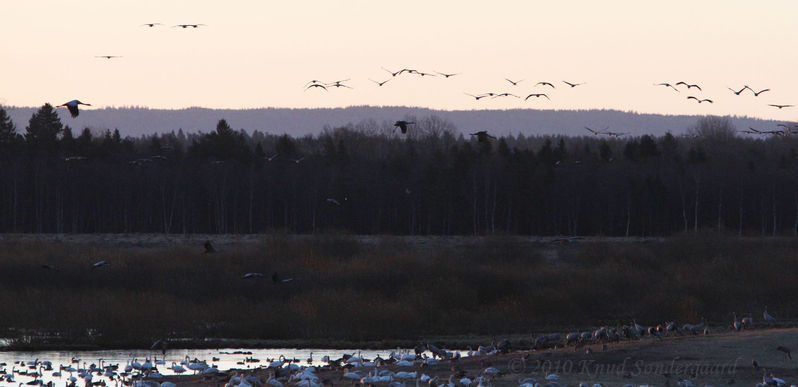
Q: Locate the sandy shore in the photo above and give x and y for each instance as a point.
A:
(719, 359)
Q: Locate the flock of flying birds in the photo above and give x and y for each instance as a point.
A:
(482, 136)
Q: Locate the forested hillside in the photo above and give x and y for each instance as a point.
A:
(366, 178)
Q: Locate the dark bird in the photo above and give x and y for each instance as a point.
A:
(252, 275)
(446, 75)
(785, 350)
(100, 264)
(402, 125)
(188, 25)
(209, 247)
(316, 85)
(514, 83)
(740, 91)
(73, 107)
(545, 84)
(276, 279)
(573, 84)
(757, 93)
(780, 106)
(755, 364)
(339, 84)
(107, 56)
(150, 24)
(700, 100)
(49, 267)
(689, 86)
(506, 95)
(666, 84)
(615, 134)
(423, 74)
(537, 95)
(477, 97)
(394, 73)
(380, 83)
(482, 136)
(162, 344)
(595, 132)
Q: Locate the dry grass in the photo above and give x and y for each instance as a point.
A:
(353, 290)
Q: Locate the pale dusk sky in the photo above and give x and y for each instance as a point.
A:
(254, 54)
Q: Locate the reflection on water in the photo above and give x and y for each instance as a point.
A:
(223, 359)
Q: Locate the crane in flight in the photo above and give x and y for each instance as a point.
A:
(780, 106)
(73, 107)
(445, 75)
(514, 83)
(188, 25)
(689, 86)
(573, 84)
(700, 100)
(666, 84)
(737, 92)
(107, 56)
(537, 95)
(150, 25)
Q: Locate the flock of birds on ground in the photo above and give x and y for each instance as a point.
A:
(426, 364)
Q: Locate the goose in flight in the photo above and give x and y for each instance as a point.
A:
(188, 25)
(537, 95)
(150, 25)
(270, 158)
(277, 279)
(49, 267)
(514, 83)
(482, 136)
(107, 56)
(700, 100)
(423, 74)
(333, 201)
(297, 161)
(380, 83)
(73, 107)
(615, 134)
(596, 132)
(780, 106)
(689, 86)
(542, 83)
(394, 73)
(740, 91)
(445, 75)
(573, 84)
(402, 125)
(666, 84)
(252, 275)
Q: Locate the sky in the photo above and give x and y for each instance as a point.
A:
(255, 53)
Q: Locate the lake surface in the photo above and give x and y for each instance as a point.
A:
(227, 359)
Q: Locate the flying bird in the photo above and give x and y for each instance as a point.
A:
(316, 85)
(666, 84)
(339, 84)
(394, 73)
(573, 84)
(100, 264)
(545, 84)
(423, 74)
(252, 275)
(188, 25)
(333, 201)
(700, 100)
(482, 136)
(595, 132)
(506, 95)
(49, 267)
(107, 56)
(780, 106)
(757, 93)
(402, 125)
(270, 158)
(477, 97)
(445, 75)
(151, 24)
(277, 279)
(537, 95)
(740, 91)
(514, 83)
(73, 107)
(689, 86)
(380, 83)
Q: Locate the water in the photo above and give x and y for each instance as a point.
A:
(226, 360)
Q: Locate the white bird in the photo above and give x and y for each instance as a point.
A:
(100, 264)
(252, 275)
(73, 107)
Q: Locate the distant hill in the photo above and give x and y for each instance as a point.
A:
(135, 121)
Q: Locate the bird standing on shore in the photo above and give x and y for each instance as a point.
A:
(209, 247)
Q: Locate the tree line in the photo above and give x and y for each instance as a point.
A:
(367, 179)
